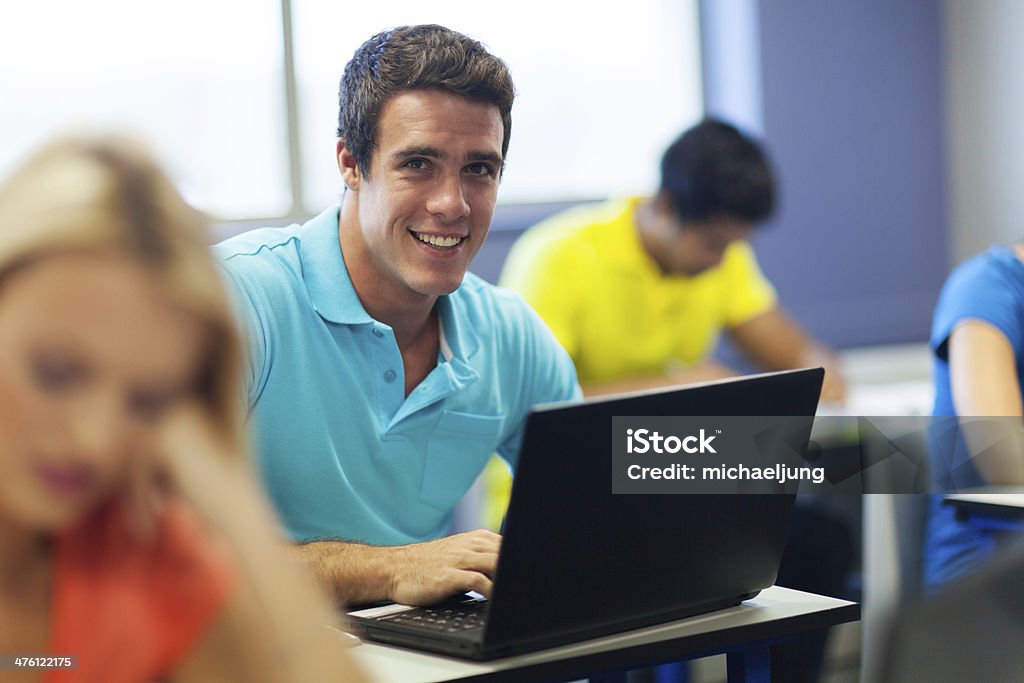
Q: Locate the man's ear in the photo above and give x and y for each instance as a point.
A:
(350, 172)
(663, 203)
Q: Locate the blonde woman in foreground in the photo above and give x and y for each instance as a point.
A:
(132, 533)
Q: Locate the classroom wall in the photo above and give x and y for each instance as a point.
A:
(985, 100)
(852, 108)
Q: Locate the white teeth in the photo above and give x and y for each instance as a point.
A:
(437, 240)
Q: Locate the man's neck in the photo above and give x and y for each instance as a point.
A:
(407, 313)
(410, 320)
(643, 215)
(410, 315)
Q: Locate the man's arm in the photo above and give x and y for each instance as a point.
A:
(775, 341)
(983, 379)
(415, 574)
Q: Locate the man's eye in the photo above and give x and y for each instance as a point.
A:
(480, 169)
(415, 164)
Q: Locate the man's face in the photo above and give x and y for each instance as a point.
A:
(692, 248)
(426, 205)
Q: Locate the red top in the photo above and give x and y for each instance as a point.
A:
(132, 610)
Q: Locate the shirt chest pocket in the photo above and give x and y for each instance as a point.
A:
(457, 451)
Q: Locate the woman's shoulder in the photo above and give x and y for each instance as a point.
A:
(997, 266)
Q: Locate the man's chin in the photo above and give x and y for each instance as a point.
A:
(438, 287)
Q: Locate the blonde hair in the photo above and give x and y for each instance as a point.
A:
(104, 193)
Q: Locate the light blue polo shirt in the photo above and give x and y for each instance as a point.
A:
(342, 451)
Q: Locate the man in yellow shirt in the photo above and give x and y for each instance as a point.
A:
(639, 290)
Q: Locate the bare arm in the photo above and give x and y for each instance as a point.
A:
(274, 627)
(415, 574)
(775, 341)
(983, 379)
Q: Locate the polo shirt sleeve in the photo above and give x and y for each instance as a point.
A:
(253, 330)
(978, 290)
(545, 374)
(550, 277)
(749, 292)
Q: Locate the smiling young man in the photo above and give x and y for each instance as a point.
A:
(383, 374)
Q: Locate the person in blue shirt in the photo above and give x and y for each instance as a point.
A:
(977, 343)
(383, 375)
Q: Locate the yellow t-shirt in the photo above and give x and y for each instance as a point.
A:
(585, 272)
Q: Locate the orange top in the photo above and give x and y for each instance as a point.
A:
(129, 609)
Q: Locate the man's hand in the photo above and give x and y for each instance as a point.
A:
(775, 341)
(833, 390)
(425, 573)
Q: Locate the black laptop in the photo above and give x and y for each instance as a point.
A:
(579, 562)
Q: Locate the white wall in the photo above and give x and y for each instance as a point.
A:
(985, 127)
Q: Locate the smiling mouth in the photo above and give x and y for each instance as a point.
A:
(439, 241)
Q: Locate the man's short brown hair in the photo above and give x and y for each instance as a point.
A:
(416, 58)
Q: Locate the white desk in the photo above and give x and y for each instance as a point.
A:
(886, 381)
(775, 613)
(996, 508)
(995, 499)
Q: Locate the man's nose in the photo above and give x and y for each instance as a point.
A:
(448, 199)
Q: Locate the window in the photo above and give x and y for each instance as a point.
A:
(200, 81)
(602, 88)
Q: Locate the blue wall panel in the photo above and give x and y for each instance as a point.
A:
(854, 116)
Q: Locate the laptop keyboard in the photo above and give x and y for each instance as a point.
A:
(446, 618)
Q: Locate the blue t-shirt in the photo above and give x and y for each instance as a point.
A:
(341, 449)
(990, 288)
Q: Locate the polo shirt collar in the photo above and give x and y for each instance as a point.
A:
(460, 338)
(335, 299)
(323, 269)
(453, 371)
